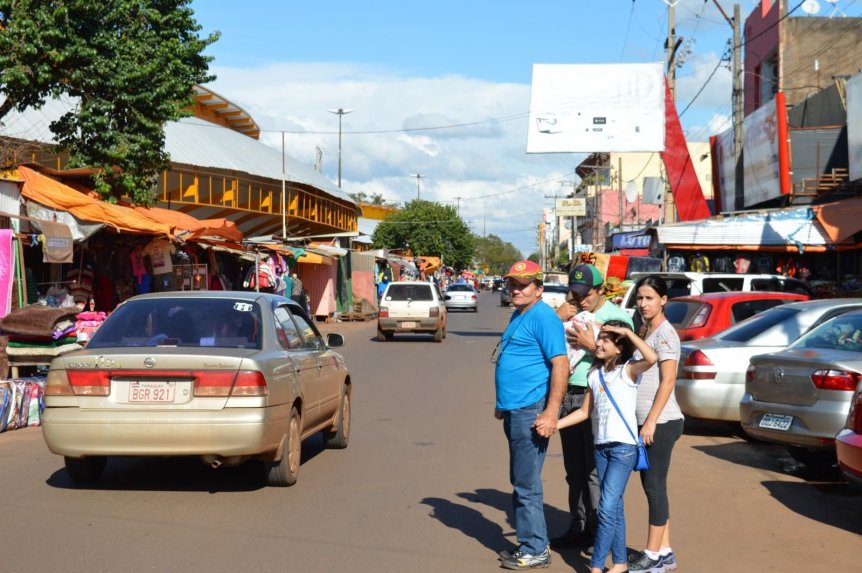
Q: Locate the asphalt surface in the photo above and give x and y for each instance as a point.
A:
(423, 486)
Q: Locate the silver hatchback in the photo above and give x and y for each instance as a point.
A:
(801, 395)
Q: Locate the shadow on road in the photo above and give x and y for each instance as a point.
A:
(840, 508)
(180, 474)
(697, 427)
(493, 333)
(473, 524)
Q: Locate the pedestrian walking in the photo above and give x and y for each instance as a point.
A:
(610, 399)
(530, 379)
(660, 420)
(297, 291)
(586, 293)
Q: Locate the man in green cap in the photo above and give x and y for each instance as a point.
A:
(586, 293)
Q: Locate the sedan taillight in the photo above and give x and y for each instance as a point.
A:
(698, 366)
(835, 380)
(749, 373)
(89, 382)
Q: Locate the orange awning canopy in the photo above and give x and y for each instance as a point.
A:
(842, 219)
(56, 195)
(197, 228)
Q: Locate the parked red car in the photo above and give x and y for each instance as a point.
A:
(701, 316)
(848, 442)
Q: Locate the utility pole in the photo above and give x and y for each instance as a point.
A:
(418, 176)
(620, 176)
(458, 207)
(671, 49)
(738, 134)
(739, 186)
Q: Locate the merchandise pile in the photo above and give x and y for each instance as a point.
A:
(21, 403)
(36, 334)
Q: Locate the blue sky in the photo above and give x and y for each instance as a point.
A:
(403, 65)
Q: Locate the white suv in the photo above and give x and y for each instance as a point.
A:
(692, 283)
(411, 306)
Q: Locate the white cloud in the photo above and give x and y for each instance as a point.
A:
(480, 154)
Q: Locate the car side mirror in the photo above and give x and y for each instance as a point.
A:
(447, 297)
(334, 340)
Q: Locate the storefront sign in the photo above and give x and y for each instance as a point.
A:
(631, 241)
(571, 208)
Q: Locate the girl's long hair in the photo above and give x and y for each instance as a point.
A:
(627, 348)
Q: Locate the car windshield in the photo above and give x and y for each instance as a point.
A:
(750, 329)
(185, 322)
(841, 333)
(463, 288)
(555, 288)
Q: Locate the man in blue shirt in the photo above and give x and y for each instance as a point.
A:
(530, 378)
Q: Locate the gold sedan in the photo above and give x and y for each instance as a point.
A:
(225, 376)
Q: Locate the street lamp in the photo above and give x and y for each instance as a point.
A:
(339, 112)
(418, 176)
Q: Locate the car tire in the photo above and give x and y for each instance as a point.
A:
(285, 472)
(338, 437)
(383, 336)
(438, 335)
(814, 459)
(85, 470)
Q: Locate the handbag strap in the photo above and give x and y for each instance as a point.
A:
(611, 397)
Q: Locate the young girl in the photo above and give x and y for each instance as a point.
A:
(616, 449)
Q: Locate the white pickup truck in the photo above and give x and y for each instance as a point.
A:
(692, 283)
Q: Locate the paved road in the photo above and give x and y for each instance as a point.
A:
(422, 487)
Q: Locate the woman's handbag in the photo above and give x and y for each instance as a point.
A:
(642, 463)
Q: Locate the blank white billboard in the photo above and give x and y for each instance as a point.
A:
(587, 108)
(854, 125)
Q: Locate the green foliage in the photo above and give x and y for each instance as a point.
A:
(497, 255)
(536, 258)
(428, 229)
(373, 199)
(129, 64)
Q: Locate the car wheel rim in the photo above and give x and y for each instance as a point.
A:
(293, 452)
(345, 415)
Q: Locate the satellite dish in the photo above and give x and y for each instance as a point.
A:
(811, 7)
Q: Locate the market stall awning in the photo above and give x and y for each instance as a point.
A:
(197, 228)
(55, 195)
(842, 219)
(785, 229)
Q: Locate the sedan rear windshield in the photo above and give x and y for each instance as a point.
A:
(462, 288)
(841, 333)
(409, 292)
(186, 322)
(748, 330)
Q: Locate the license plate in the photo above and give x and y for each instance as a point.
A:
(408, 325)
(776, 422)
(151, 392)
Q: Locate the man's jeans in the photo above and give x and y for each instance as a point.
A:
(614, 462)
(526, 457)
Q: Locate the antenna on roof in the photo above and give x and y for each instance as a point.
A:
(836, 8)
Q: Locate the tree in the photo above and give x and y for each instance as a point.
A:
(130, 66)
(428, 229)
(497, 255)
